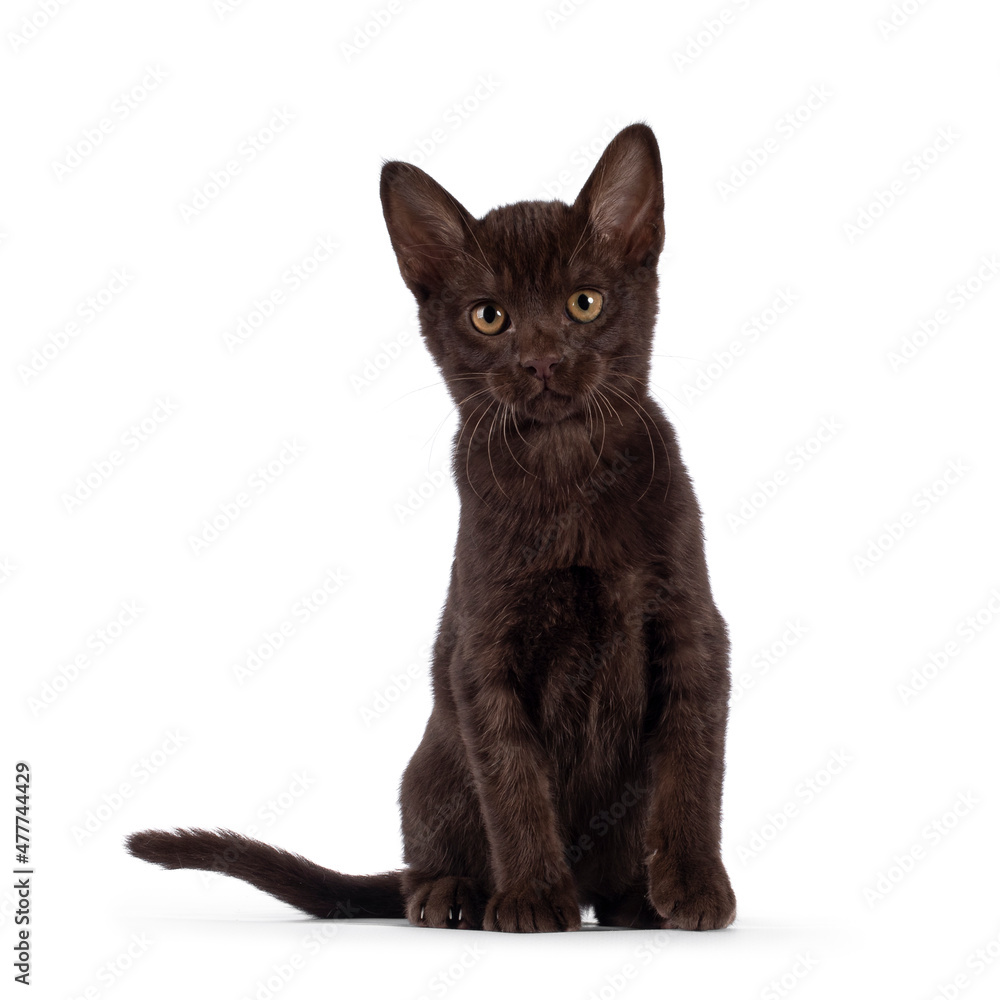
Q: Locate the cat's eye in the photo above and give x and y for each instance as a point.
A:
(585, 305)
(489, 318)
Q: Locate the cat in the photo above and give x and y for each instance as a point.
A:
(574, 753)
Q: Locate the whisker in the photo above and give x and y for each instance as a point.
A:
(517, 429)
(445, 380)
(509, 411)
(611, 406)
(468, 452)
(652, 449)
(604, 434)
(672, 357)
(489, 453)
(437, 430)
(645, 385)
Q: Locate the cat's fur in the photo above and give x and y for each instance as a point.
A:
(574, 753)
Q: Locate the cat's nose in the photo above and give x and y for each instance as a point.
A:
(541, 368)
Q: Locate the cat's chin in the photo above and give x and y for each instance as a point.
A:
(549, 406)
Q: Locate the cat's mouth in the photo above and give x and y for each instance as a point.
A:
(548, 403)
(536, 399)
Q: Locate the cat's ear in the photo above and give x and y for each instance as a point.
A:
(427, 226)
(623, 197)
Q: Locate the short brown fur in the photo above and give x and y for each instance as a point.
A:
(574, 753)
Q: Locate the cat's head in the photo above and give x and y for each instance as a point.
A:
(537, 305)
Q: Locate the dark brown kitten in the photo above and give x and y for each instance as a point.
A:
(574, 753)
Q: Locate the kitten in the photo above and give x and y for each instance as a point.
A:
(574, 753)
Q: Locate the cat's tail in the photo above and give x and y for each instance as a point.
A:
(291, 878)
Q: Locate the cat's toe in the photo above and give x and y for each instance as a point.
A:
(446, 902)
(527, 909)
(692, 896)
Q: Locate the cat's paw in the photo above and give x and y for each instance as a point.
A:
(691, 895)
(446, 902)
(534, 907)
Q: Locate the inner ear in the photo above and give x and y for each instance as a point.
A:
(427, 226)
(623, 197)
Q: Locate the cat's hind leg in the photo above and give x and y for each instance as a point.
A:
(448, 880)
(449, 901)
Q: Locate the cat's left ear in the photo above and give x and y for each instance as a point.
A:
(623, 196)
(427, 226)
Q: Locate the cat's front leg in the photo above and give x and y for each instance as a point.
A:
(534, 888)
(688, 883)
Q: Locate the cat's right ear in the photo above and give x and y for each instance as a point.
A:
(427, 226)
(623, 197)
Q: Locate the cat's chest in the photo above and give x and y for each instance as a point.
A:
(579, 637)
(566, 500)
(583, 529)
(588, 666)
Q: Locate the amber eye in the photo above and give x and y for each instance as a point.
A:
(585, 305)
(489, 318)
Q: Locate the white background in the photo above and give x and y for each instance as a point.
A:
(157, 730)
